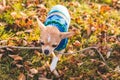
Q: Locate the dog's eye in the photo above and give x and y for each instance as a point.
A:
(54, 45)
(41, 43)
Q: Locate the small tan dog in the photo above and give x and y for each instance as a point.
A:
(55, 32)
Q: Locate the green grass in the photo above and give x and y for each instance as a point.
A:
(86, 65)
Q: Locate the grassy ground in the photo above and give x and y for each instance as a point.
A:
(96, 24)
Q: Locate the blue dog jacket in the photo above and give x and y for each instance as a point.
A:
(60, 18)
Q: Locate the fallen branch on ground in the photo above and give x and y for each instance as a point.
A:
(95, 48)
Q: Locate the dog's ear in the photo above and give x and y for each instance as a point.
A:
(66, 34)
(40, 24)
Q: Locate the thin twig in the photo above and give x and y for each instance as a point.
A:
(19, 47)
(79, 50)
(104, 60)
(95, 48)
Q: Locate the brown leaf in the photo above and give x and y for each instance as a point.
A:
(16, 57)
(29, 31)
(13, 14)
(104, 8)
(29, 22)
(2, 8)
(24, 42)
(93, 60)
(23, 15)
(1, 56)
(70, 51)
(43, 78)
(80, 63)
(75, 78)
(93, 28)
(37, 52)
(117, 69)
(19, 33)
(15, 62)
(108, 54)
(70, 47)
(19, 66)
(27, 63)
(27, 67)
(76, 31)
(3, 42)
(9, 49)
(21, 77)
(34, 71)
(2, 50)
(76, 43)
(30, 75)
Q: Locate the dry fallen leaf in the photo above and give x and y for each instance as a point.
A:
(16, 57)
(30, 75)
(104, 8)
(23, 14)
(33, 71)
(29, 31)
(43, 78)
(108, 54)
(37, 52)
(70, 51)
(27, 63)
(9, 49)
(117, 69)
(75, 78)
(21, 77)
(24, 42)
(76, 43)
(27, 67)
(2, 8)
(3, 42)
(80, 63)
(93, 28)
(13, 14)
(89, 30)
(19, 33)
(1, 56)
(19, 65)
(2, 50)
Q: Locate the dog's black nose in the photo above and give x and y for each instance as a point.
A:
(46, 52)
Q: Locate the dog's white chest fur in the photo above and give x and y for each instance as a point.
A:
(49, 38)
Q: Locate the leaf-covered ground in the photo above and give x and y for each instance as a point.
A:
(96, 23)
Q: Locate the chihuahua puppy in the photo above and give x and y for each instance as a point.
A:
(54, 32)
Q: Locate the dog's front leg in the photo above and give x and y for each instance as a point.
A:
(54, 63)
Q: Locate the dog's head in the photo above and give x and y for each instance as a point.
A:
(50, 37)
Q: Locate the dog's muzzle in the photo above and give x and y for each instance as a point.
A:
(46, 52)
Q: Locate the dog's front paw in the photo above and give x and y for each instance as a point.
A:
(54, 63)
